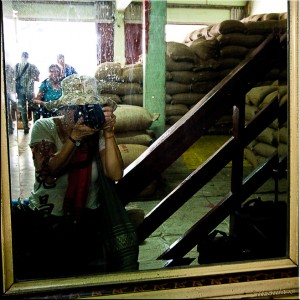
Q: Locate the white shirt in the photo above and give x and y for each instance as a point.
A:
(46, 130)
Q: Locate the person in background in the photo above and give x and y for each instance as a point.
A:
(10, 97)
(66, 70)
(25, 76)
(50, 90)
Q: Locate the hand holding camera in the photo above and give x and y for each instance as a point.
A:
(110, 119)
(95, 117)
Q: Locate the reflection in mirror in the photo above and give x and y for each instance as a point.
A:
(240, 202)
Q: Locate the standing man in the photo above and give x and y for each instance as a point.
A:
(25, 76)
(10, 96)
(66, 70)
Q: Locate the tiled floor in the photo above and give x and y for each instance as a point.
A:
(22, 176)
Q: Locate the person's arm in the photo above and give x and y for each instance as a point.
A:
(111, 156)
(61, 159)
(36, 72)
(39, 97)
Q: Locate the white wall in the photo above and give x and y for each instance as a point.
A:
(269, 6)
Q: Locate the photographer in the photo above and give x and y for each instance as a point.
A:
(66, 190)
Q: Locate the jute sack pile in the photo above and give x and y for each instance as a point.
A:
(134, 136)
(272, 139)
(133, 125)
(108, 71)
(131, 152)
(133, 74)
(133, 118)
(189, 76)
(122, 84)
(174, 112)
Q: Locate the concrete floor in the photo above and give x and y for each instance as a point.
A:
(22, 177)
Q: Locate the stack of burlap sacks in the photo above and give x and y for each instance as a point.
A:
(207, 55)
(275, 136)
(193, 68)
(132, 130)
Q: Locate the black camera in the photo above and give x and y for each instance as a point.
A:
(92, 114)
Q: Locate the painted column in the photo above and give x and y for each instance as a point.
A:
(119, 37)
(154, 88)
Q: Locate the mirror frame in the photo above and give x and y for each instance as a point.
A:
(273, 277)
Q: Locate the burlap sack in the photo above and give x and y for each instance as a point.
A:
(257, 94)
(283, 135)
(283, 99)
(187, 98)
(282, 150)
(135, 137)
(250, 111)
(133, 118)
(264, 149)
(229, 62)
(180, 52)
(168, 76)
(171, 120)
(271, 16)
(274, 96)
(173, 87)
(172, 65)
(108, 71)
(240, 39)
(266, 27)
(253, 18)
(134, 99)
(203, 87)
(119, 88)
(130, 152)
(113, 97)
(227, 26)
(132, 73)
(205, 49)
(176, 109)
(233, 51)
(250, 157)
(194, 35)
(268, 136)
(189, 77)
(168, 98)
(210, 64)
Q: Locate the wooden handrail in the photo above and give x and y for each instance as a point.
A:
(177, 139)
(204, 173)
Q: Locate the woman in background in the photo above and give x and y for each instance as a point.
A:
(50, 90)
(66, 70)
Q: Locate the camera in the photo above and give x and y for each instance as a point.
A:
(92, 114)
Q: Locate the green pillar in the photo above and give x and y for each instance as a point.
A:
(154, 88)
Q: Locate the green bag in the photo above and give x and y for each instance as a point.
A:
(119, 235)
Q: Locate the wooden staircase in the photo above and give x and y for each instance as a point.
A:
(228, 94)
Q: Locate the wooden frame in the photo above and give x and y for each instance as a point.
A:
(265, 278)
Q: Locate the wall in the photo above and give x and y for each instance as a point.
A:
(263, 6)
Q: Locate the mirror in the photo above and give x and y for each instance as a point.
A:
(20, 185)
